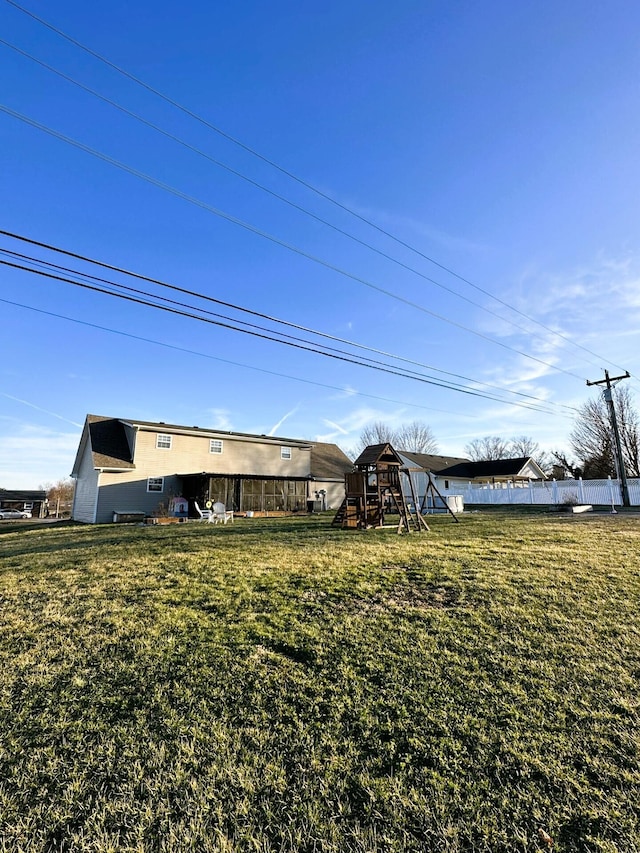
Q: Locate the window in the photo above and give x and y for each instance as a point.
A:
(215, 445)
(285, 453)
(163, 441)
(155, 484)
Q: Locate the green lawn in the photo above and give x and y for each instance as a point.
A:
(278, 685)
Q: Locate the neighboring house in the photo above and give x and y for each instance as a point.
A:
(129, 466)
(514, 471)
(429, 461)
(34, 500)
(450, 473)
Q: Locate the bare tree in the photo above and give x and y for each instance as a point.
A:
(416, 437)
(60, 494)
(376, 433)
(493, 447)
(487, 449)
(525, 446)
(592, 436)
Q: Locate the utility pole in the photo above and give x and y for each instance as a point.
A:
(608, 396)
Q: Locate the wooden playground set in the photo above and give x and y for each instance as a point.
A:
(381, 485)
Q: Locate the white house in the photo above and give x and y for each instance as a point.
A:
(451, 474)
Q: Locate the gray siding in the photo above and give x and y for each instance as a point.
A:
(119, 493)
(86, 491)
(335, 492)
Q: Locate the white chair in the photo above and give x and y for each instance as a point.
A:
(220, 513)
(205, 514)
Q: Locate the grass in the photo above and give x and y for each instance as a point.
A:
(278, 685)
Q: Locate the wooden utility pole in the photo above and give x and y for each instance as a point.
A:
(608, 397)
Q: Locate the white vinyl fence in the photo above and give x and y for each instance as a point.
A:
(602, 492)
(536, 492)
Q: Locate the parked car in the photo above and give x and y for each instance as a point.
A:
(14, 513)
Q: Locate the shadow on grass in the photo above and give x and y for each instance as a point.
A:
(85, 537)
(27, 526)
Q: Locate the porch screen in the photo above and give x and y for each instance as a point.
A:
(221, 491)
(273, 495)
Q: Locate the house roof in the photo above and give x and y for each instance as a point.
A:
(493, 468)
(109, 445)
(161, 426)
(22, 495)
(328, 462)
(432, 462)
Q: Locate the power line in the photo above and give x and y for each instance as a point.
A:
(177, 105)
(265, 336)
(235, 307)
(311, 348)
(228, 361)
(79, 277)
(276, 240)
(287, 201)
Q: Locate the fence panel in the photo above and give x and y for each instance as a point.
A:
(538, 493)
(600, 492)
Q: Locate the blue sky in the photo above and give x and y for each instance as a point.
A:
(499, 140)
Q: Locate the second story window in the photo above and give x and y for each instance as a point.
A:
(163, 441)
(215, 445)
(285, 453)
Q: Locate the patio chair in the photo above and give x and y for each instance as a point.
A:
(220, 513)
(205, 514)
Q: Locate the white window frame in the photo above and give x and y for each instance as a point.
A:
(164, 441)
(216, 445)
(152, 482)
(285, 452)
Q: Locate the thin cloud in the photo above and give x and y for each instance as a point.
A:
(44, 456)
(347, 391)
(220, 419)
(398, 224)
(277, 426)
(40, 409)
(336, 426)
(353, 423)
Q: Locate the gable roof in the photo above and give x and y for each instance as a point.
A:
(328, 462)
(490, 468)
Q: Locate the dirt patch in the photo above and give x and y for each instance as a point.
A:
(426, 597)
